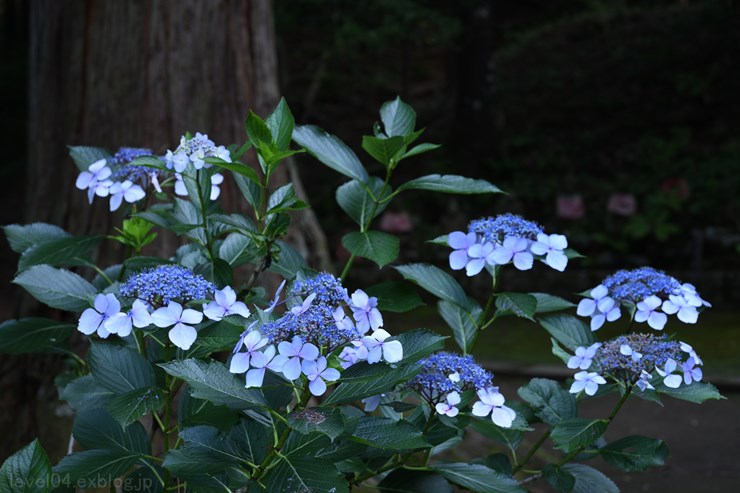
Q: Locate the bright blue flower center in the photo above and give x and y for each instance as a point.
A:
(434, 379)
(166, 283)
(495, 229)
(317, 324)
(638, 284)
(655, 351)
(122, 171)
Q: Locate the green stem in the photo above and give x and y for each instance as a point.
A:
(266, 463)
(364, 227)
(209, 242)
(532, 451)
(347, 267)
(140, 342)
(608, 420)
(489, 303)
(165, 426)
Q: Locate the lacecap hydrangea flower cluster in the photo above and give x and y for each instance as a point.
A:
(116, 178)
(445, 376)
(119, 179)
(653, 294)
(635, 359)
(317, 327)
(193, 151)
(161, 296)
(504, 239)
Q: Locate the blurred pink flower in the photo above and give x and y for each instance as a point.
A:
(622, 204)
(570, 206)
(677, 186)
(396, 222)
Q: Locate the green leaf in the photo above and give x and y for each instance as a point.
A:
(237, 249)
(436, 281)
(635, 453)
(150, 162)
(281, 124)
(96, 429)
(381, 248)
(253, 438)
(420, 149)
(236, 167)
(520, 304)
(568, 330)
(697, 392)
(386, 433)
(558, 478)
(395, 296)
(309, 420)
(26, 471)
(487, 428)
(95, 468)
(59, 252)
(419, 343)
(478, 478)
(406, 481)
(194, 412)
(120, 369)
(85, 393)
(233, 222)
(196, 466)
(57, 288)
(289, 261)
(551, 403)
(22, 237)
(219, 272)
(365, 380)
(355, 200)
(284, 199)
(210, 442)
(547, 303)
(249, 188)
(296, 473)
(213, 382)
(498, 462)
(462, 322)
(450, 184)
(131, 406)
(383, 150)
(398, 118)
(572, 433)
(559, 351)
(589, 480)
(331, 151)
(84, 156)
(258, 131)
(32, 335)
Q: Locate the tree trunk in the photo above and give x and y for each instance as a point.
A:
(139, 74)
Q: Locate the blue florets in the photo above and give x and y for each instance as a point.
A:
(495, 229)
(328, 289)
(122, 171)
(638, 284)
(653, 352)
(200, 142)
(434, 380)
(316, 324)
(166, 283)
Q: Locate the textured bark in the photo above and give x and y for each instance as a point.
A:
(134, 73)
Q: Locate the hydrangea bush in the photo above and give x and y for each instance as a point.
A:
(199, 379)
